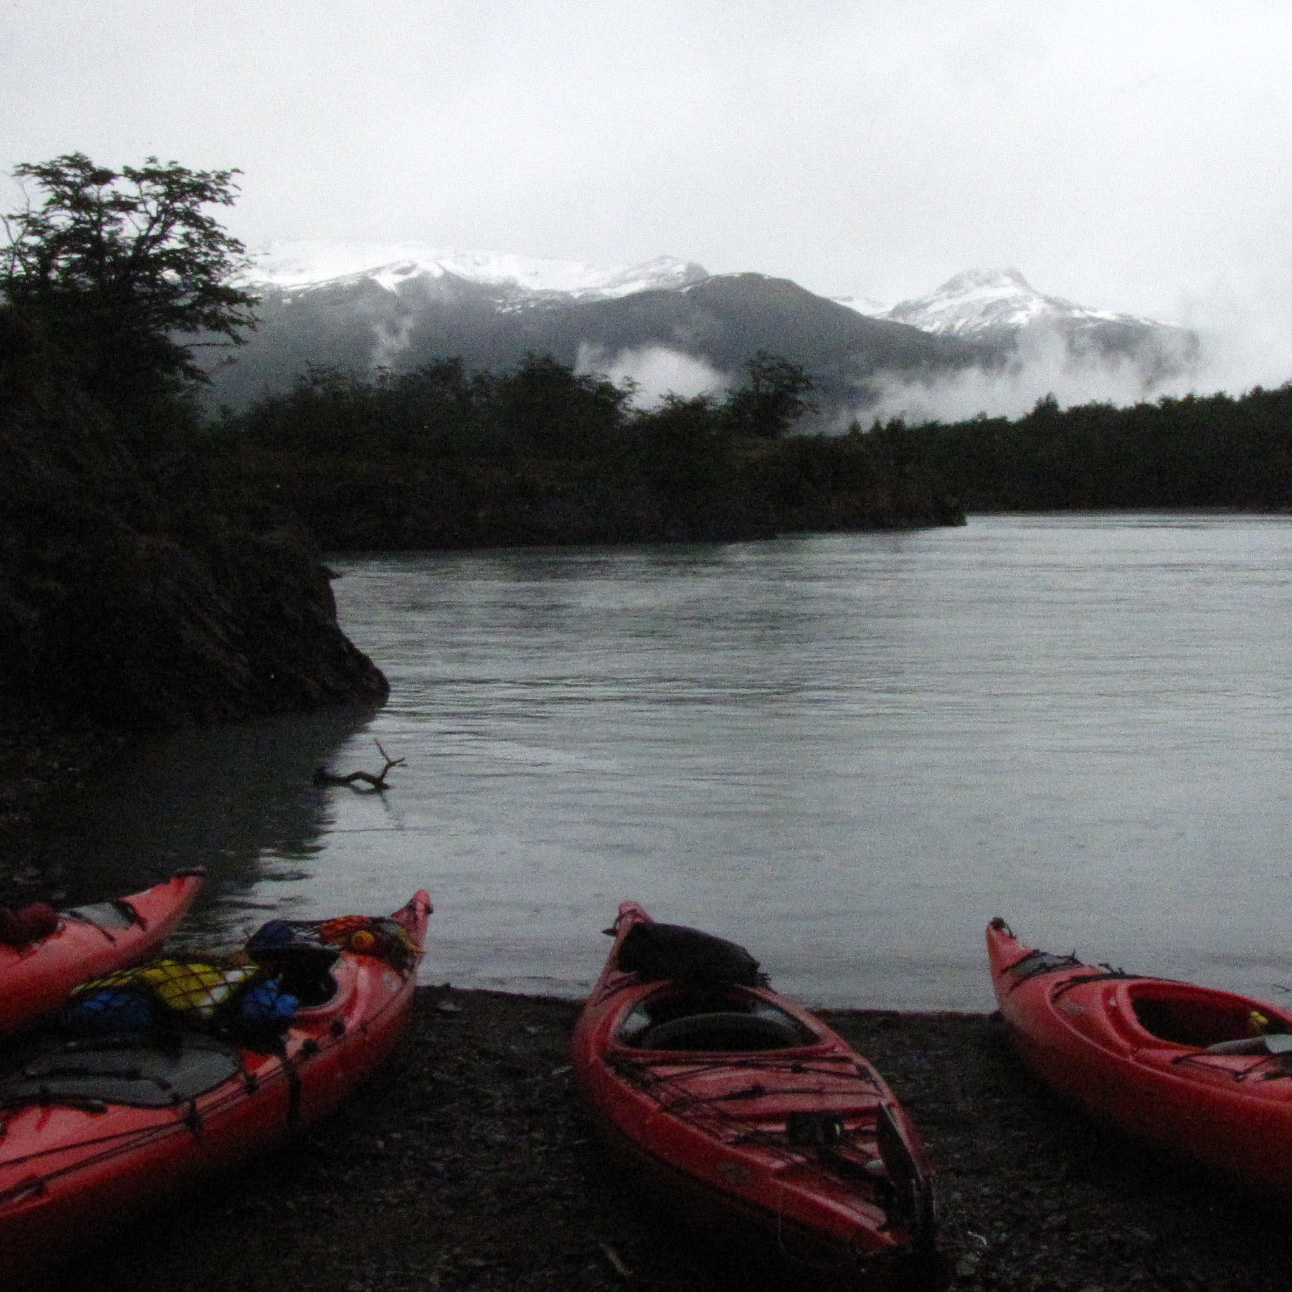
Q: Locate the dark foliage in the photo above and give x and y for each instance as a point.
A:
(440, 457)
(774, 396)
(545, 410)
(130, 595)
(127, 594)
(1196, 451)
(127, 274)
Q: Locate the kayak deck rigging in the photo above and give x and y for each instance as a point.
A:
(747, 1109)
(96, 1125)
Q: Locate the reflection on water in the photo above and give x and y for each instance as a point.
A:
(847, 752)
(237, 799)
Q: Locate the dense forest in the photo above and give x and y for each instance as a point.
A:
(1198, 451)
(441, 457)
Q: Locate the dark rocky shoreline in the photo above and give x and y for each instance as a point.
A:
(129, 600)
(41, 762)
(467, 1164)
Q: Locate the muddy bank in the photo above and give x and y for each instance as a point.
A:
(467, 1164)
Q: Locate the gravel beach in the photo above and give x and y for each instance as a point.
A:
(467, 1164)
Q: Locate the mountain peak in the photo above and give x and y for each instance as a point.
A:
(300, 265)
(999, 307)
(981, 302)
(974, 280)
(978, 301)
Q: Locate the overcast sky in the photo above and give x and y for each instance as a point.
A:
(1127, 154)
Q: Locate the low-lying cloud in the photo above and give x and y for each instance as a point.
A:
(1238, 349)
(390, 342)
(654, 372)
(1242, 342)
(1043, 365)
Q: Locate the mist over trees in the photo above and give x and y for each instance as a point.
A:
(447, 457)
(444, 457)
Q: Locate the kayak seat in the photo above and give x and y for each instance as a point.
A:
(724, 1030)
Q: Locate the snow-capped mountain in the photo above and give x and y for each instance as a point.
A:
(981, 302)
(295, 265)
(1000, 309)
(364, 306)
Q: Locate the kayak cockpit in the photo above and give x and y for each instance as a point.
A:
(1199, 1017)
(727, 1020)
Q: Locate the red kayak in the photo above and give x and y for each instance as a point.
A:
(88, 942)
(104, 1121)
(750, 1112)
(1199, 1072)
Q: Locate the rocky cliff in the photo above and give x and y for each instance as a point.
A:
(126, 598)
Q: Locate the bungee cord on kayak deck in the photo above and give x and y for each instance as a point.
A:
(223, 1059)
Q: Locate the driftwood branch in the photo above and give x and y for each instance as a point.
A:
(615, 1261)
(375, 781)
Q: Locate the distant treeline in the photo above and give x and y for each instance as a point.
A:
(1196, 451)
(444, 457)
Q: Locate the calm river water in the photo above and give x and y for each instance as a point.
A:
(847, 752)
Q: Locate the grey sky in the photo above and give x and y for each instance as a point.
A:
(1128, 154)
